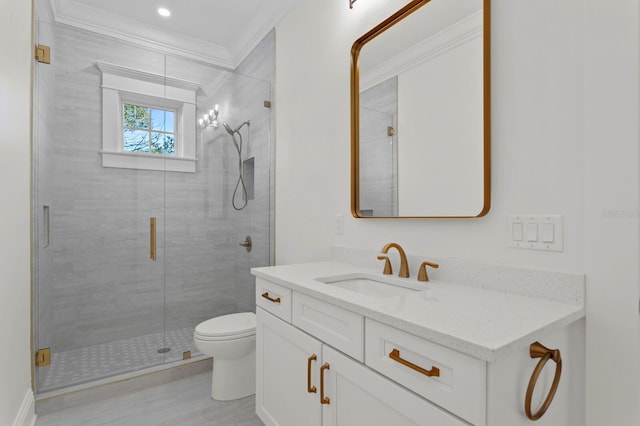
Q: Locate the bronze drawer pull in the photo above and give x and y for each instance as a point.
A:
(395, 355)
(323, 399)
(266, 296)
(536, 350)
(310, 389)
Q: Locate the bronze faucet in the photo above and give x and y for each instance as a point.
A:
(404, 267)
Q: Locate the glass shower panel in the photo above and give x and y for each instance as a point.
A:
(255, 220)
(203, 229)
(99, 297)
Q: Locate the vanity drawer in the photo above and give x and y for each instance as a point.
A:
(274, 298)
(459, 385)
(342, 329)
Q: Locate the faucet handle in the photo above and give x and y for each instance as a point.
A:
(387, 264)
(422, 272)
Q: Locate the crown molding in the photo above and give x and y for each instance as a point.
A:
(71, 13)
(463, 31)
(245, 45)
(74, 14)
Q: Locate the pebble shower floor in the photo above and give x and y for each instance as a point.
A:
(83, 365)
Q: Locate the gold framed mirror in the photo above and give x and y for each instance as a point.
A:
(420, 113)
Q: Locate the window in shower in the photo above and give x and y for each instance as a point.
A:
(148, 129)
(145, 114)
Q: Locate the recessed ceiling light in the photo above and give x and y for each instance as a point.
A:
(164, 12)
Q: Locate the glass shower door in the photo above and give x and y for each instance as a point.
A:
(99, 296)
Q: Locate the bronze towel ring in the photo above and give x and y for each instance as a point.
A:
(536, 350)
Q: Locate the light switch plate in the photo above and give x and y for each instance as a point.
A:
(535, 232)
(339, 224)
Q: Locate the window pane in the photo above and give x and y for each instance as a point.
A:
(136, 116)
(162, 120)
(162, 143)
(136, 140)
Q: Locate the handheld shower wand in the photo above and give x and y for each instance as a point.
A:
(238, 145)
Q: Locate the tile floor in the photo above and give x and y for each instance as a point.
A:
(108, 359)
(184, 402)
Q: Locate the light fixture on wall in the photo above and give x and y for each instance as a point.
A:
(211, 119)
(351, 2)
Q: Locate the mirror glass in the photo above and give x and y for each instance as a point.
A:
(420, 113)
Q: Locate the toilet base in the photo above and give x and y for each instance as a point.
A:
(233, 378)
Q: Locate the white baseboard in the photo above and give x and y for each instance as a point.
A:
(27, 413)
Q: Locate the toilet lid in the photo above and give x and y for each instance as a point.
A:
(236, 325)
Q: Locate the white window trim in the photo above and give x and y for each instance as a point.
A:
(120, 84)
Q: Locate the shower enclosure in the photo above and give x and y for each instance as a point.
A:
(128, 258)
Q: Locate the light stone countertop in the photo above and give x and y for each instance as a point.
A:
(485, 324)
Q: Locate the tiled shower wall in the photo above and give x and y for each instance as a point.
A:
(378, 150)
(100, 284)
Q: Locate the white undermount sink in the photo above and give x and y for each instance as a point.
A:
(372, 285)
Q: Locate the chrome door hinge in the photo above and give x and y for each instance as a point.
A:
(43, 54)
(43, 357)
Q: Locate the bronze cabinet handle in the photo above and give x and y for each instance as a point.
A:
(266, 296)
(536, 350)
(310, 389)
(395, 355)
(323, 399)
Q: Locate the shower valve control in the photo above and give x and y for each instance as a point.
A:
(247, 243)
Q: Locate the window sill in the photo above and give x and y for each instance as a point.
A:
(141, 161)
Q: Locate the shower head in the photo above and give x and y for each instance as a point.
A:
(228, 129)
(232, 131)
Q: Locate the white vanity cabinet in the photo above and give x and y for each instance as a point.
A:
(285, 357)
(296, 373)
(358, 396)
(322, 361)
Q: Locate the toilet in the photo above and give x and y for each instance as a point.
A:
(231, 341)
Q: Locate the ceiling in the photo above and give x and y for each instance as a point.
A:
(219, 32)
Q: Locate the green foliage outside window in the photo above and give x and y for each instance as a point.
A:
(148, 130)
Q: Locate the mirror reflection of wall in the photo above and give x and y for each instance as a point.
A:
(441, 126)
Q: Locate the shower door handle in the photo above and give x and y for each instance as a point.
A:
(152, 238)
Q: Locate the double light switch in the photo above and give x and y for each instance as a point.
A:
(537, 232)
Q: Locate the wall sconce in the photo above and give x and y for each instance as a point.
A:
(211, 119)
(351, 2)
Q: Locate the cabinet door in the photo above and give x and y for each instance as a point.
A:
(360, 396)
(284, 359)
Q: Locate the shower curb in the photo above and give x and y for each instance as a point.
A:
(53, 401)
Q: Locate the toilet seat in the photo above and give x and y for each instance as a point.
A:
(227, 327)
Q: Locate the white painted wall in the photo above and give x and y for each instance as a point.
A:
(565, 141)
(611, 237)
(15, 145)
(538, 152)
